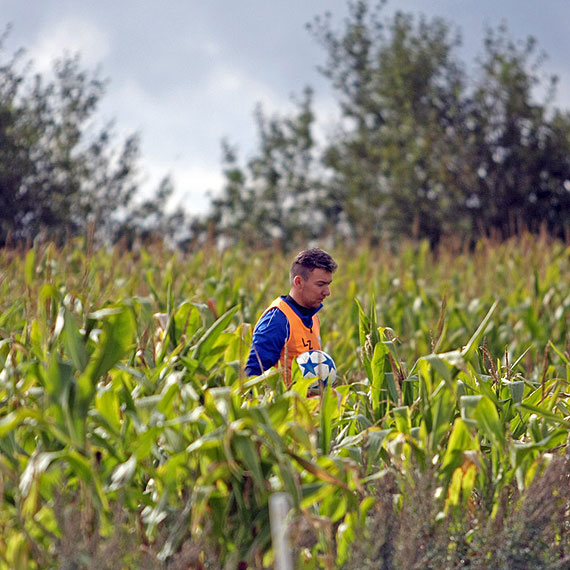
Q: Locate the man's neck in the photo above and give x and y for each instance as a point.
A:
(300, 308)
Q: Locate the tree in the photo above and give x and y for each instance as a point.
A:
(399, 90)
(424, 152)
(59, 172)
(148, 221)
(277, 198)
(519, 171)
(424, 148)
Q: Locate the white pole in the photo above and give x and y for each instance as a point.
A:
(279, 507)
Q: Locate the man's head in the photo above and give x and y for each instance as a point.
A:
(311, 275)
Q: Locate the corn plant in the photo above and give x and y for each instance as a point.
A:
(126, 413)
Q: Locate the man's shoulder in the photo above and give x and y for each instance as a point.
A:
(272, 326)
(273, 315)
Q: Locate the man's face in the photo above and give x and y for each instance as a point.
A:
(314, 290)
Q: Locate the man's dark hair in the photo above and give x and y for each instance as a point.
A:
(309, 259)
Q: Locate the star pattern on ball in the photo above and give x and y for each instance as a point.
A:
(309, 368)
(329, 362)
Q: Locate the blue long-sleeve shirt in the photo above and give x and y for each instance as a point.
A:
(270, 335)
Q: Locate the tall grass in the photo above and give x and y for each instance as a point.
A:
(127, 416)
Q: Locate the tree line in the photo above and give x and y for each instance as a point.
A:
(427, 146)
(63, 174)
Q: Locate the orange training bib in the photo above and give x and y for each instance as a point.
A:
(301, 339)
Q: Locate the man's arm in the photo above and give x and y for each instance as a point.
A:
(269, 337)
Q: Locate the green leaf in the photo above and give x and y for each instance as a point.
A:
(318, 471)
(144, 443)
(123, 473)
(245, 450)
(10, 422)
(365, 338)
(116, 338)
(460, 440)
(439, 365)
(516, 389)
(73, 341)
(374, 440)
(30, 267)
(210, 440)
(278, 411)
(108, 405)
(403, 420)
(80, 464)
(37, 464)
(443, 407)
(378, 378)
(489, 422)
(327, 409)
(468, 404)
(206, 342)
(546, 414)
(468, 350)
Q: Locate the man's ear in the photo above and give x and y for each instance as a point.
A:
(297, 281)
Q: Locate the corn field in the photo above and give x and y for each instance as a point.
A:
(131, 438)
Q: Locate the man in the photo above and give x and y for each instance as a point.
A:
(290, 325)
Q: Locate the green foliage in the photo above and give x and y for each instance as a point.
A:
(274, 199)
(427, 146)
(123, 395)
(428, 155)
(60, 173)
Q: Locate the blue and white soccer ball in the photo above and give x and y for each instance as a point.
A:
(319, 365)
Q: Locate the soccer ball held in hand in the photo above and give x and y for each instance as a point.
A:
(319, 365)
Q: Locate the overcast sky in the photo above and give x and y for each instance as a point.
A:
(187, 73)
